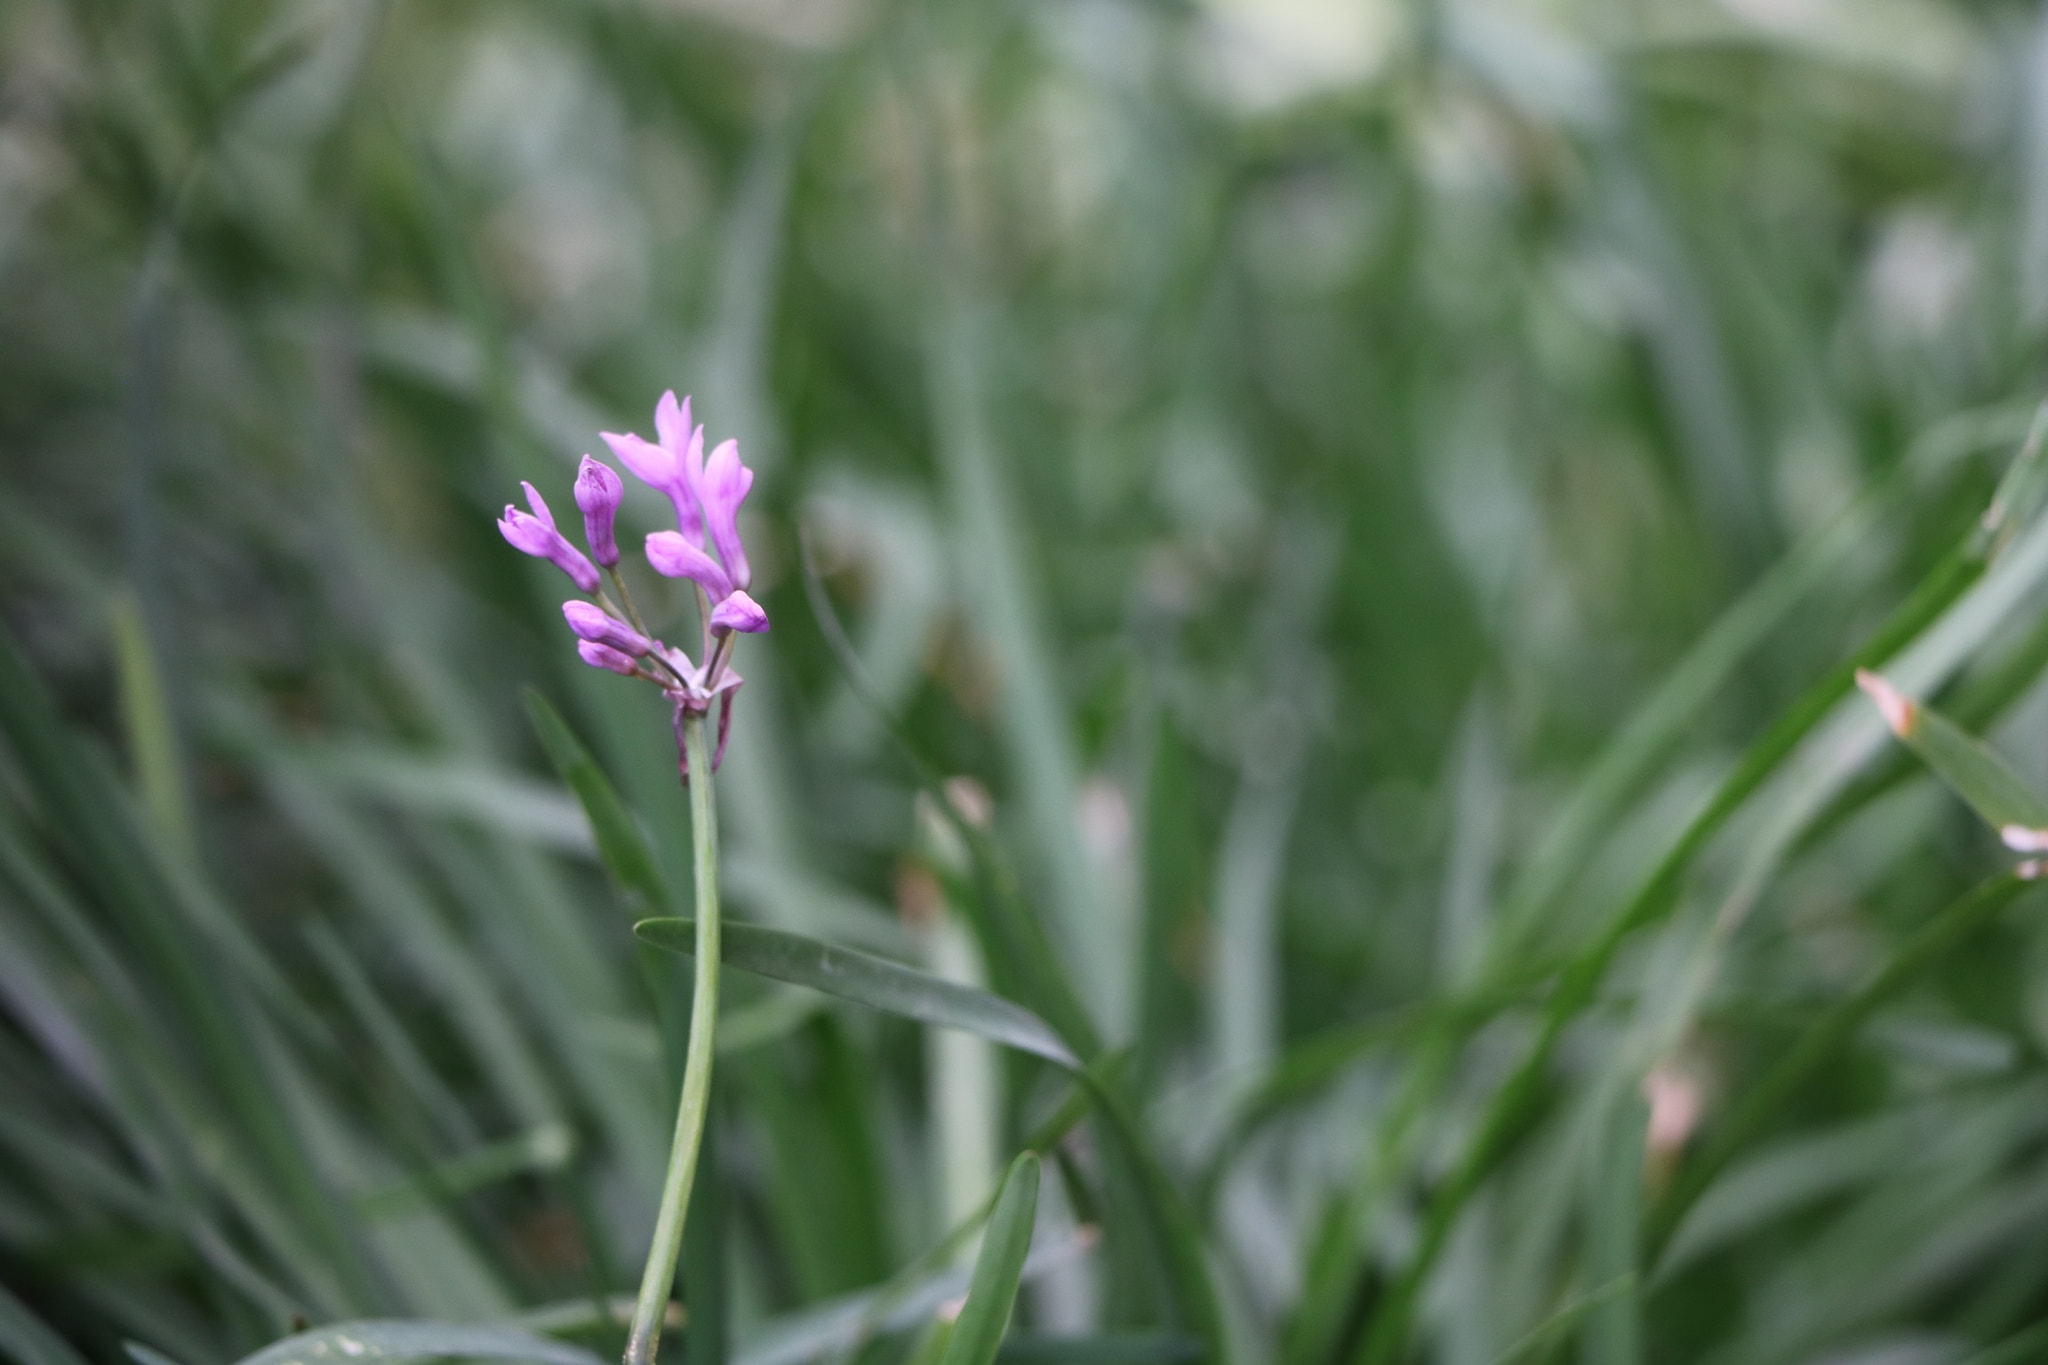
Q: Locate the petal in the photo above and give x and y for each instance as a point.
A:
(529, 534)
(693, 459)
(604, 656)
(726, 481)
(649, 462)
(672, 422)
(540, 508)
(524, 532)
(741, 613)
(675, 557)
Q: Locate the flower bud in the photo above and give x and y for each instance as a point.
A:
(536, 535)
(595, 625)
(673, 556)
(598, 494)
(741, 613)
(604, 656)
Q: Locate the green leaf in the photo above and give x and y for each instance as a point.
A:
(2021, 492)
(148, 1355)
(619, 840)
(1110, 1348)
(978, 1331)
(152, 732)
(403, 1340)
(26, 1338)
(1818, 1045)
(1548, 1332)
(872, 981)
(1963, 761)
(2021, 1349)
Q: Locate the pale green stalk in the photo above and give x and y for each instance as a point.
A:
(660, 1274)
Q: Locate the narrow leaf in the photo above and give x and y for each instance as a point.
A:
(1961, 760)
(402, 1340)
(872, 981)
(619, 840)
(978, 1331)
(28, 1339)
(1111, 1348)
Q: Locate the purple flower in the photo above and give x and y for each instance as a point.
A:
(707, 496)
(673, 556)
(674, 467)
(738, 612)
(597, 626)
(598, 494)
(722, 489)
(604, 656)
(536, 535)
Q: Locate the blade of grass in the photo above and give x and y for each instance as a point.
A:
(871, 981)
(1939, 936)
(978, 1330)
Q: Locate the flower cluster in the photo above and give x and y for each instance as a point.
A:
(707, 494)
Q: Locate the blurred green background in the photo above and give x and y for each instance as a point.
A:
(1346, 478)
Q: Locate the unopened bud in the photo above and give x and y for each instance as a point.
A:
(599, 493)
(741, 613)
(595, 625)
(604, 656)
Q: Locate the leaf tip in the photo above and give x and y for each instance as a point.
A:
(1899, 710)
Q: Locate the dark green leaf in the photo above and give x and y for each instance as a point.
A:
(868, 980)
(388, 1339)
(619, 840)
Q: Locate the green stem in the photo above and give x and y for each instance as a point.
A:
(660, 1275)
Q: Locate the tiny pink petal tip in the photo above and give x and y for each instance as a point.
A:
(1898, 710)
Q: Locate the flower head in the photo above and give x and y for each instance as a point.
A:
(707, 496)
(536, 535)
(598, 495)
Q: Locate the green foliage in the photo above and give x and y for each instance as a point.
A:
(978, 1331)
(1319, 554)
(868, 980)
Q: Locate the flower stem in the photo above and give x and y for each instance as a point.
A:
(660, 1275)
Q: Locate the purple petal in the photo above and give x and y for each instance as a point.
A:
(693, 459)
(604, 656)
(530, 535)
(598, 495)
(540, 508)
(724, 487)
(650, 464)
(527, 533)
(739, 612)
(660, 468)
(595, 624)
(673, 556)
(672, 423)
